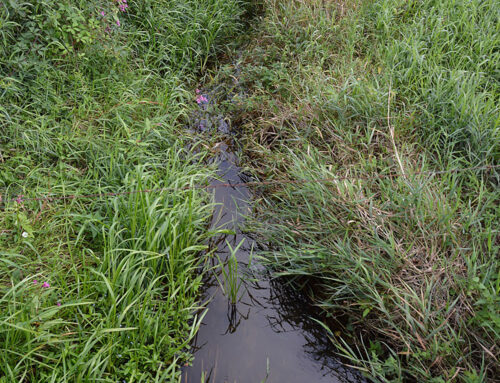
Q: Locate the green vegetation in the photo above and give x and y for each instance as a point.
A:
(93, 96)
(230, 281)
(408, 264)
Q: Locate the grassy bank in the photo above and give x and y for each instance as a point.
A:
(93, 97)
(379, 92)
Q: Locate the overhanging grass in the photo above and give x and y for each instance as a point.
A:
(125, 308)
(364, 89)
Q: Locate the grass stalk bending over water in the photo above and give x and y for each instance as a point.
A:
(408, 265)
(93, 95)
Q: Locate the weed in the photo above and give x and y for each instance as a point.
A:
(231, 282)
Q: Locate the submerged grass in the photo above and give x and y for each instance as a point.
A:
(93, 96)
(409, 265)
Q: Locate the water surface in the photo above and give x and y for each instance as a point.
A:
(268, 336)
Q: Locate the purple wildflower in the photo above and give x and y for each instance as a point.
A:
(118, 22)
(46, 284)
(122, 4)
(19, 199)
(58, 303)
(103, 14)
(35, 282)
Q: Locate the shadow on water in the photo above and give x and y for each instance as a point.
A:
(268, 336)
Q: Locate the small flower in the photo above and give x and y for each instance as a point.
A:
(25, 234)
(201, 99)
(46, 284)
(58, 304)
(19, 199)
(198, 91)
(103, 14)
(118, 22)
(35, 282)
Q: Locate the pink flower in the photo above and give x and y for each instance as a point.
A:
(58, 303)
(198, 91)
(19, 199)
(35, 282)
(118, 22)
(122, 4)
(103, 14)
(201, 99)
(46, 284)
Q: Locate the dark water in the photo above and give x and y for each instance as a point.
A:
(268, 336)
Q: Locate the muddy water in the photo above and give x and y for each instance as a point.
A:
(268, 336)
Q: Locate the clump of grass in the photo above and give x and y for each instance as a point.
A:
(366, 90)
(103, 308)
(231, 282)
(93, 100)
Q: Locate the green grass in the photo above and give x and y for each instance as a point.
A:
(409, 264)
(89, 107)
(230, 281)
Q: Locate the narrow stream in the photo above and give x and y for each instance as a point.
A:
(268, 336)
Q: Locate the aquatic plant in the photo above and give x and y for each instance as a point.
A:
(230, 281)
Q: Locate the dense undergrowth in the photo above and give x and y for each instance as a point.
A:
(408, 264)
(93, 95)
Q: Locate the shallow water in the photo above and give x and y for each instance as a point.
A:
(269, 334)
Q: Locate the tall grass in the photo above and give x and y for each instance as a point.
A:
(120, 311)
(102, 289)
(408, 264)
